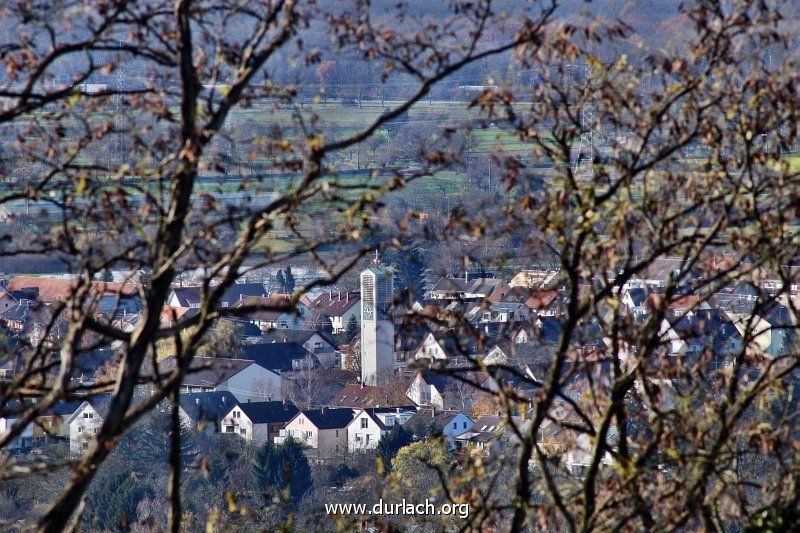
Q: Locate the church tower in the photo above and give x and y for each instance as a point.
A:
(377, 330)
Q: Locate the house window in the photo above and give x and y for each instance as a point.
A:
(224, 304)
(364, 423)
(358, 437)
(94, 431)
(228, 429)
(465, 425)
(80, 429)
(301, 420)
(243, 431)
(367, 438)
(308, 434)
(455, 425)
(337, 432)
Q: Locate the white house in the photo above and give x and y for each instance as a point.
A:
(191, 296)
(448, 424)
(245, 379)
(496, 356)
(318, 344)
(9, 417)
(427, 389)
(579, 456)
(203, 411)
(365, 430)
(283, 315)
(442, 391)
(85, 422)
(324, 430)
(258, 421)
(338, 307)
(431, 349)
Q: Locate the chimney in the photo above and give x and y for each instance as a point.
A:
(340, 296)
(347, 296)
(223, 399)
(466, 275)
(322, 410)
(197, 401)
(248, 400)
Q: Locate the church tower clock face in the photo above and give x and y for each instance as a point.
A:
(369, 313)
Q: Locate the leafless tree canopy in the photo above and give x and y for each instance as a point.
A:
(161, 138)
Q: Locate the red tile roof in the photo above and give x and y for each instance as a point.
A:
(541, 299)
(359, 396)
(59, 289)
(335, 303)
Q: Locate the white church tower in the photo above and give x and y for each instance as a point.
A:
(377, 330)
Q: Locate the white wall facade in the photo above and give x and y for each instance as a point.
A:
(363, 433)
(83, 427)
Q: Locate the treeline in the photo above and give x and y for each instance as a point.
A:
(230, 484)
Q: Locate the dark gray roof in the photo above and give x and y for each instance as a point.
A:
(118, 306)
(326, 418)
(550, 329)
(191, 295)
(207, 371)
(275, 356)
(638, 296)
(207, 406)
(186, 296)
(90, 362)
(777, 315)
(429, 417)
(373, 413)
(705, 326)
(298, 336)
(63, 408)
(246, 328)
(269, 412)
(16, 313)
(100, 403)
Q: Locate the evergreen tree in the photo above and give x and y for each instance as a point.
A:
(281, 280)
(352, 328)
(283, 467)
(114, 498)
(289, 280)
(391, 443)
